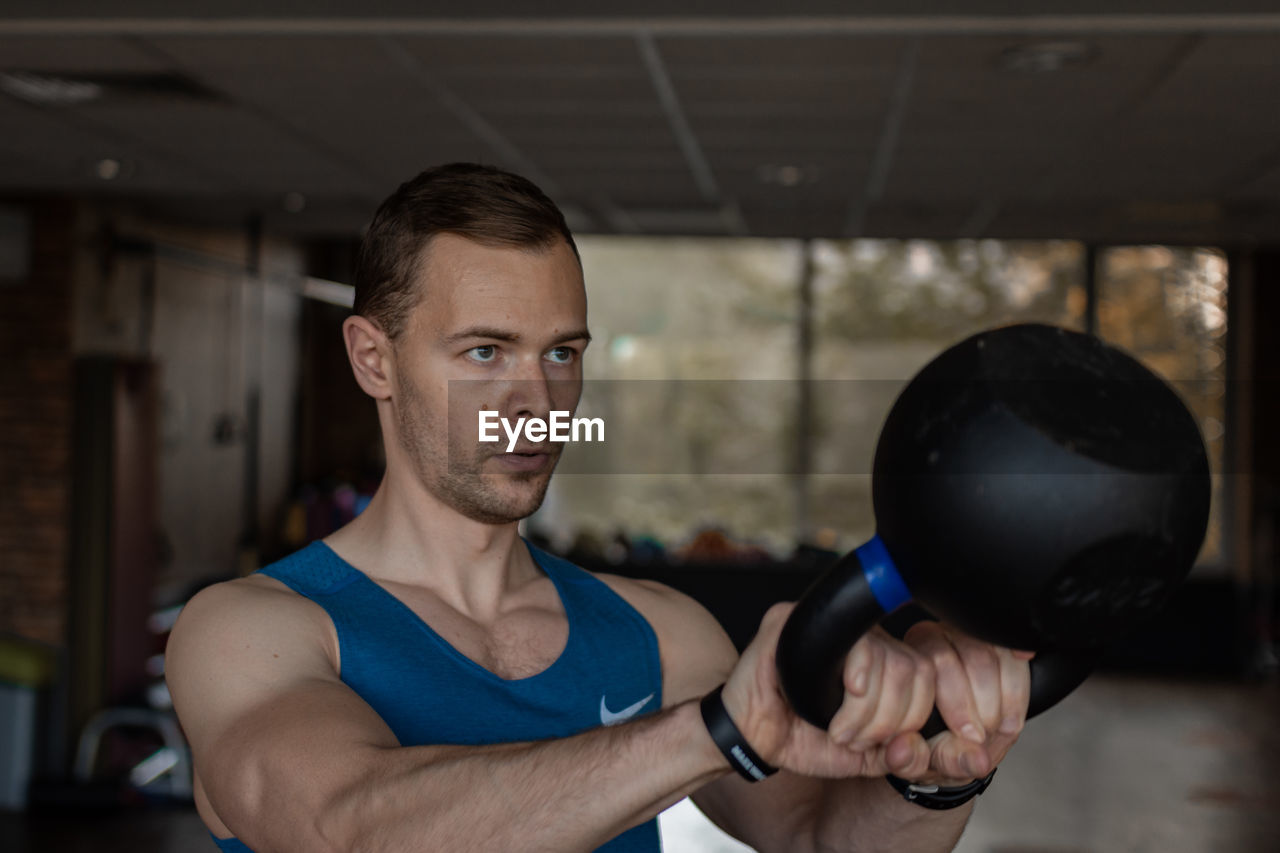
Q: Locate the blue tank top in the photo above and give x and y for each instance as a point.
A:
(392, 659)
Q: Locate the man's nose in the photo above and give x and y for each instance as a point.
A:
(530, 390)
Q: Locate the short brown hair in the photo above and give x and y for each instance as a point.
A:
(482, 203)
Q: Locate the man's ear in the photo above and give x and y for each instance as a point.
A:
(369, 352)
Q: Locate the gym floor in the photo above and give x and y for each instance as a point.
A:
(1122, 766)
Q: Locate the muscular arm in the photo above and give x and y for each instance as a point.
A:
(292, 759)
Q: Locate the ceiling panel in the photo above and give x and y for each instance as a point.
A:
(960, 83)
(621, 159)
(786, 218)
(554, 98)
(786, 54)
(762, 104)
(103, 54)
(668, 187)
(221, 139)
(775, 142)
(810, 93)
(336, 218)
(541, 54)
(1227, 84)
(728, 9)
(645, 131)
(342, 98)
(57, 150)
(932, 219)
(805, 127)
(814, 80)
(554, 79)
(960, 179)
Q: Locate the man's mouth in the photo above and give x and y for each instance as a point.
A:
(530, 450)
(524, 459)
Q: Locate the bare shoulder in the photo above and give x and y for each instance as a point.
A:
(234, 638)
(252, 667)
(244, 610)
(696, 652)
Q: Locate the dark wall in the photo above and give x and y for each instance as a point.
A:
(35, 431)
(1263, 536)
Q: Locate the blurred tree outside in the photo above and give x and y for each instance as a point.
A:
(1168, 306)
(884, 308)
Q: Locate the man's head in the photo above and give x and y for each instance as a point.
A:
(469, 297)
(484, 204)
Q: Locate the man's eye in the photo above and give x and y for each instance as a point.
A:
(484, 353)
(562, 355)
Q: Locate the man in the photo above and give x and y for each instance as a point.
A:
(424, 680)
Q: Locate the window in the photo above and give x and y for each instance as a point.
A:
(882, 310)
(692, 366)
(700, 343)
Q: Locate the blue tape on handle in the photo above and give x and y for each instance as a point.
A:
(882, 575)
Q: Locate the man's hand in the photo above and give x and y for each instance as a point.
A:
(982, 694)
(890, 690)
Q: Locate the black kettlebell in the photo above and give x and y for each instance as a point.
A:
(1037, 488)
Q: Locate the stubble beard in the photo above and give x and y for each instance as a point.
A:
(452, 469)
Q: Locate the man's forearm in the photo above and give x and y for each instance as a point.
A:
(561, 795)
(866, 815)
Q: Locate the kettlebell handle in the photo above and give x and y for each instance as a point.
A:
(850, 599)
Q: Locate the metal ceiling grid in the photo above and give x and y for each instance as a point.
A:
(892, 120)
(343, 99)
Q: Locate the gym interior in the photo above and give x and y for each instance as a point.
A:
(783, 212)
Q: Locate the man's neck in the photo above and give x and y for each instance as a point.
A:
(408, 536)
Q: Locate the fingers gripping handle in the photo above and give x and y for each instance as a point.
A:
(848, 600)
(1053, 676)
(842, 605)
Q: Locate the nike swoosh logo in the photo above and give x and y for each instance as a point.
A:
(609, 718)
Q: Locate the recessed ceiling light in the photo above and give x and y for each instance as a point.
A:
(108, 168)
(1042, 57)
(786, 175)
(47, 90)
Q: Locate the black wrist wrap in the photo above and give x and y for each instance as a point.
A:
(936, 797)
(730, 741)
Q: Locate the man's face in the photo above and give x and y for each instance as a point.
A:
(501, 329)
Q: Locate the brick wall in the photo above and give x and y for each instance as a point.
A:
(35, 432)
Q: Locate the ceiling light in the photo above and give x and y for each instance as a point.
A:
(786, 175)
(108, 168)
(46, 90)
(1046, 56)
